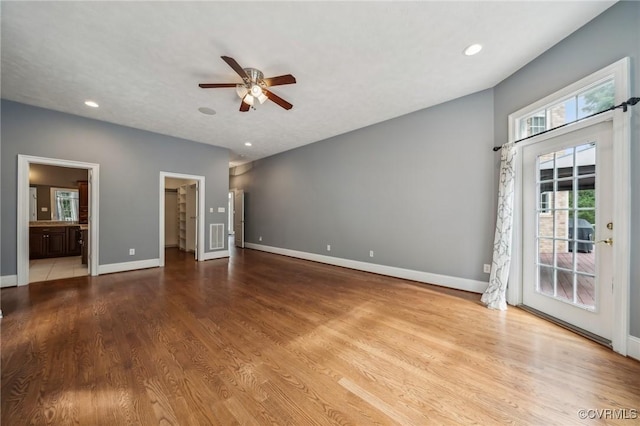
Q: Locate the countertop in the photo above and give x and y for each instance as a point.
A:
(52, 223)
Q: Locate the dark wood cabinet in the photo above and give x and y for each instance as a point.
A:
(85, 246)
(74, 237)
(83, 198)
(47, 242)
(37, 242)
(54, 241)
(56, 244)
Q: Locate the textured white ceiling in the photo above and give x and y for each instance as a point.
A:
(356, 63)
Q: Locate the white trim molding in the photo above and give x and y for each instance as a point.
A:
(200, 255)
(8, 281)
(129, 266)
(220, 254)
(619, 71)
(633, 347)
(22, 225)
(392, 271)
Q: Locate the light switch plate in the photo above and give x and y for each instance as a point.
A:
(210, 209)
(220, 209)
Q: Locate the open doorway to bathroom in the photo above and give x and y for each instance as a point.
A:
(58, 222)
(57, 219)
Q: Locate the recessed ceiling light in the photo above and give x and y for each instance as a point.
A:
(247, 144)
(473, 49)
(91, 104)
(207, 111)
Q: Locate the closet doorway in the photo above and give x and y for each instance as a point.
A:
(181, 210)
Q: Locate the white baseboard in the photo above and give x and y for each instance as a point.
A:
(128, 266)
(8, 281)
(407, 274)
(216, 254)
(633, 347)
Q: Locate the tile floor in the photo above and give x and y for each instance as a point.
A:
(55, 268)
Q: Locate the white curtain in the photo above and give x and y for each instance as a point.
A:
(495, 295)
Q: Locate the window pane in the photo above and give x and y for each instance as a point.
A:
(564, 286)
(533, 124)
(586, 290)
(546, 199)
(545, 280)
(562, 224)
(586, 159)
(545, 224)
(545, 251)
(586, 262)
(564, 163)
(562, 113)
(66, 205)
(596, 99)
(562, 246)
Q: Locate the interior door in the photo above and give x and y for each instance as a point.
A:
(567, 228)
(238, 218)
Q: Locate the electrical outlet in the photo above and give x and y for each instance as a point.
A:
(328, 247)
(132, 252)
(260, 238)
(487, 268)
(370, 253)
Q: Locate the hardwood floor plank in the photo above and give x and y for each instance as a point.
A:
(267, 339)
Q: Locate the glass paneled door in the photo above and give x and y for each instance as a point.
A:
(567, 232)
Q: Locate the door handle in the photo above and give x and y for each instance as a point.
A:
(608, 241)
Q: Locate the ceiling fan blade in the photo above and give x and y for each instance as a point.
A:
(236, 67)
(216, 85)
(244, 107)
(277, 99)
(280, 80)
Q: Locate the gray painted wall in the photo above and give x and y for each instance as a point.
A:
(608, 38)
(417, 190)
(423, 194)
(130, 164)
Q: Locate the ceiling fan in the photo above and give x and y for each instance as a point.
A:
(253, 86)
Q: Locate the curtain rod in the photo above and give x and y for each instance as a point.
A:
(623, 105)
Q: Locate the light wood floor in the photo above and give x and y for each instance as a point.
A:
(266, 339)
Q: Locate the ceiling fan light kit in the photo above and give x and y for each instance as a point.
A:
(253, 86)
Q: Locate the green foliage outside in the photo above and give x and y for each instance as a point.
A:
(586, 199)
(599, 99)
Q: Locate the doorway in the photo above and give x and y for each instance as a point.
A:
(57, 201)
(53, 238)
(181, 212)
(238, 217)
(568, 222)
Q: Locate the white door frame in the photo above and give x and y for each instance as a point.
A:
(621, 196)
(233, 225)
(24, 161)
(200, 212)
(231, 215)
